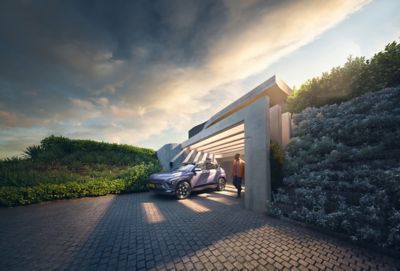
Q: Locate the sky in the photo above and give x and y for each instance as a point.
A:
(145, 72)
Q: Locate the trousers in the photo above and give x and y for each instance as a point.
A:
(237, 182)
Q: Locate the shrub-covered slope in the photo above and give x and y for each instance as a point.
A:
(343, 168)
(63, 168)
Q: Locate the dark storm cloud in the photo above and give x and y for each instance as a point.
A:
(170, 30)
(55, 50)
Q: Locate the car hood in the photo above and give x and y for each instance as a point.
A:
(168, 175)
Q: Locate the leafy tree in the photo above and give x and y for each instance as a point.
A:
(356, 77)
(33, 152)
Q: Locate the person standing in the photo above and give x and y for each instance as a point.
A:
(238, 173)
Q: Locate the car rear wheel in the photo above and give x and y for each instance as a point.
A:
(221, 184)
(182, 190)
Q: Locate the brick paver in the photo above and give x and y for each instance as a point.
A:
(210, 231)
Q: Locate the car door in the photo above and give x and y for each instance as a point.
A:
(212, 173)
(200, 177)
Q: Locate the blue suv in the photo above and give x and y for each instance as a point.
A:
(187, 178)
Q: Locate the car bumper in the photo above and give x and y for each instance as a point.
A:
(160, 188)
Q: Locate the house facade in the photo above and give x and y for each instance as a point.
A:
(246, 126)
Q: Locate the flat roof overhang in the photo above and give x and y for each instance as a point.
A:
(274, 88)
(225, 141)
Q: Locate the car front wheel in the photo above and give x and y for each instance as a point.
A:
(182, 190)
(221, 184)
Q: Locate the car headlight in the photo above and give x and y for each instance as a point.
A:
(173, 180)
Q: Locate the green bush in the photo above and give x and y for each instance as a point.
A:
(59, 160)
(357, 76)
(63, 168)
(55, 150)
(276, 162)
(132, 179)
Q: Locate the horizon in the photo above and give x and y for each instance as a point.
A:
(126, 73)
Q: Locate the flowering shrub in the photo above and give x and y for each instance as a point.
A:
(342, 169)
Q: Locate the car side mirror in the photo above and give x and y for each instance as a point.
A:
(195, 170)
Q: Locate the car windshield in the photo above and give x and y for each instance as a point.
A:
(186, 168)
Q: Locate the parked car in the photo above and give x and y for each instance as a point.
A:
(187, 178)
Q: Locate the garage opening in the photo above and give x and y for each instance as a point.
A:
(222, 148)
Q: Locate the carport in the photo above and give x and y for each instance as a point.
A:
(243, 127)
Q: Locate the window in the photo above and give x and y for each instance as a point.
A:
(186, 168)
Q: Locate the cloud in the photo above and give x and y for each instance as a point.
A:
(131, 71)
(85, 105)
(8, 119)
(248, 47)
(14, 141)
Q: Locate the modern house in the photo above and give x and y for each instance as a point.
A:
(246, 126)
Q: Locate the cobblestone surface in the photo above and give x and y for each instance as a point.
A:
(143, 231)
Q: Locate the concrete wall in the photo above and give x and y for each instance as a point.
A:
(166, 153)
(280, 125)
(226, 164)
(258, 172)
(286, 128)
(275, 124)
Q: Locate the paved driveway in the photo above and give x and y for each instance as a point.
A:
(143, 231)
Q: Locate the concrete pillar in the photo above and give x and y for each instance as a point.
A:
(286, 128)
(275, 124)
(257, 171)
(166, 153)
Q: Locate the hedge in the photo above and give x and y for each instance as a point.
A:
(132, 179)
(342, 169)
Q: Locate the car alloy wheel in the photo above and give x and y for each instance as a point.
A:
(221, 184)
(182, 190)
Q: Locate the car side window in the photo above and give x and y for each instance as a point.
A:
(212, 166)
(201, 166)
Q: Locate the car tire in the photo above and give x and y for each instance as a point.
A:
(182, 190)
(221, 184)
